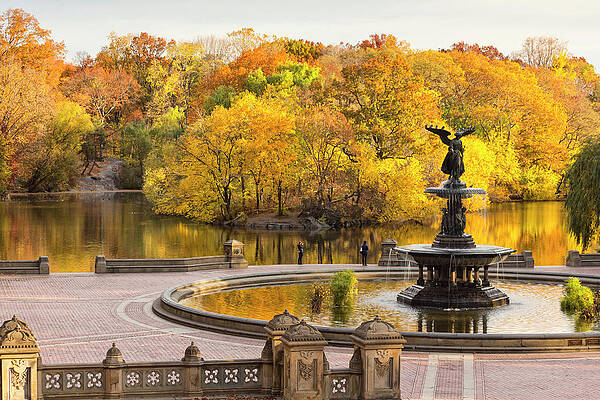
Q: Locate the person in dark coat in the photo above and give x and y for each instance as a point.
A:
(364, 250)
(300, 252)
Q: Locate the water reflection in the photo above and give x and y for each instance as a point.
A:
(452, 322)
(73, 229)
(535, 307)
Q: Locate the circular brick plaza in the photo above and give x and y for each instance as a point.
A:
(76, 317)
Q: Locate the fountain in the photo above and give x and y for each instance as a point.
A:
(453, 261)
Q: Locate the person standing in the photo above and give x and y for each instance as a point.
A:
(300, 252)
(364, 250)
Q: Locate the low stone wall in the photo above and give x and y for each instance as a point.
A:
(233, 258)
(39, 266)
(292, 365)
(522, 260)
(576, 259)
(392, 258)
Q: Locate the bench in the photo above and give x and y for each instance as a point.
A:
(39, 266)
(576, 259)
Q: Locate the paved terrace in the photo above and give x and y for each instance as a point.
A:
(76, 317)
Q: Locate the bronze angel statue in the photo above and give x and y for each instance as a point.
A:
(453, 163)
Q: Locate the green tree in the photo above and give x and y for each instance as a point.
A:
(583, 196)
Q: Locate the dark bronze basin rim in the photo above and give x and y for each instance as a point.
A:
(168, 307)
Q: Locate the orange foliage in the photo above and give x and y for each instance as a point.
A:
(23, 40)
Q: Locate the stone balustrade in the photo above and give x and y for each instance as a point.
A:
(394, 258)
(39, 266)
(576, 259)
(292, 364)
(233, 258)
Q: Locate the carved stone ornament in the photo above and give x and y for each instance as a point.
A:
(306, 354)
(192, 353)
(382, 367)
(113, 356)
(303, 332)
(18, 374)
(377, 329)
(16, 334)
(282, 322)
(305, 370)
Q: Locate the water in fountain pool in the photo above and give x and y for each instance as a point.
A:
(534, 308)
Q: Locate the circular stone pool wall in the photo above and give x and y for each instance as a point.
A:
(170, 306)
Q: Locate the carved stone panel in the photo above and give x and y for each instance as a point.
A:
(306, 375)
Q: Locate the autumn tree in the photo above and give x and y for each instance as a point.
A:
(217, 152)
(325, 143)
(174, 83)
(51, 162)
(25, 107)
(106, 94)
(302, 50)
(25, 42)
(387, 104)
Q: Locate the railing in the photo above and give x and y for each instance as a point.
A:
(152, 378)
(39, 266)
(577, 259)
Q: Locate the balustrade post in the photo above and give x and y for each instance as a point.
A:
(272, 354)
(192, 363)
(234, 254)
(304, 363)
(19, 357)
(377, 349)
(113, 372)
(387, 258)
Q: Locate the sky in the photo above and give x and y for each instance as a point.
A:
(83, 25)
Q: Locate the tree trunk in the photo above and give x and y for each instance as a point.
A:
(279, 198)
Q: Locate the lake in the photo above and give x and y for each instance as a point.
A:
(71, 229)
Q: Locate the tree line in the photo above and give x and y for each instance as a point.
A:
(219, 128)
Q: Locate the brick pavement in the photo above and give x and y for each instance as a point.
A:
(77, 316)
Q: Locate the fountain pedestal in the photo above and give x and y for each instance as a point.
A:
(454, 261)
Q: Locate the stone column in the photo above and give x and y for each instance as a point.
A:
(378, 345)
(234, 254)
(19, 357)
(192, 378)
(272, 354)
(44, 265)
(100, 265)
(303, 363)
(421, 281)
(113, 369)
(476, 276)
(387, 258)
(486, 281)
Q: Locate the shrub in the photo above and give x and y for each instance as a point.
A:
(577, 298)
(343, 287)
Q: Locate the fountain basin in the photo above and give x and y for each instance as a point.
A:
(535, 338)
(453, 277)
(478, 256)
